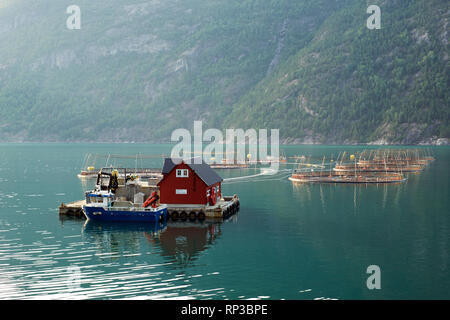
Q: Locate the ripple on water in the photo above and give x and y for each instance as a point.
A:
(41, 276)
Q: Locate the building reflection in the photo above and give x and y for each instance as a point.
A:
(181, 242)
(177, 242)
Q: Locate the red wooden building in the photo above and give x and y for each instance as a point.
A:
(189, 183)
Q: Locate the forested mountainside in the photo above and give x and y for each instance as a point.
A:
(137, 70)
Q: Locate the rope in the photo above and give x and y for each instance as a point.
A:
(280, 175)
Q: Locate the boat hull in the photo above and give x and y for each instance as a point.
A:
(97, 213)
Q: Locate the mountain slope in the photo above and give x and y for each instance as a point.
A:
(139, 69)
(352, 84)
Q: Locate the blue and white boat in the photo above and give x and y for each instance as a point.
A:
(102, 206)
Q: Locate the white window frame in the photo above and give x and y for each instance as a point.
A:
(182, 173)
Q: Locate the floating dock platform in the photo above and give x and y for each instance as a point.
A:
(72, 209)
(324, 177)
(224, 208)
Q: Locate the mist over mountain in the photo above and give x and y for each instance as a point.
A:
(137, 70)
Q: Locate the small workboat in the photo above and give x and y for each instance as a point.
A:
(102, 206)
(104, 203)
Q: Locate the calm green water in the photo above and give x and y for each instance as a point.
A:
(287, 242)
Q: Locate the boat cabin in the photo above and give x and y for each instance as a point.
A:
(99, 197)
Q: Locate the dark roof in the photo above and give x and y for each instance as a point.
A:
(203, 170)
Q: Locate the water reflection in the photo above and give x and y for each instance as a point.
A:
(179, 243)
(114, 240)
(324, 193)
(182, 242)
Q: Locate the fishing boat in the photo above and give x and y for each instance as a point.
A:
(108, 201)
(102, 206)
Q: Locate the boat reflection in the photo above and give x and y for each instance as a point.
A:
(114, 240)
(179, 243)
